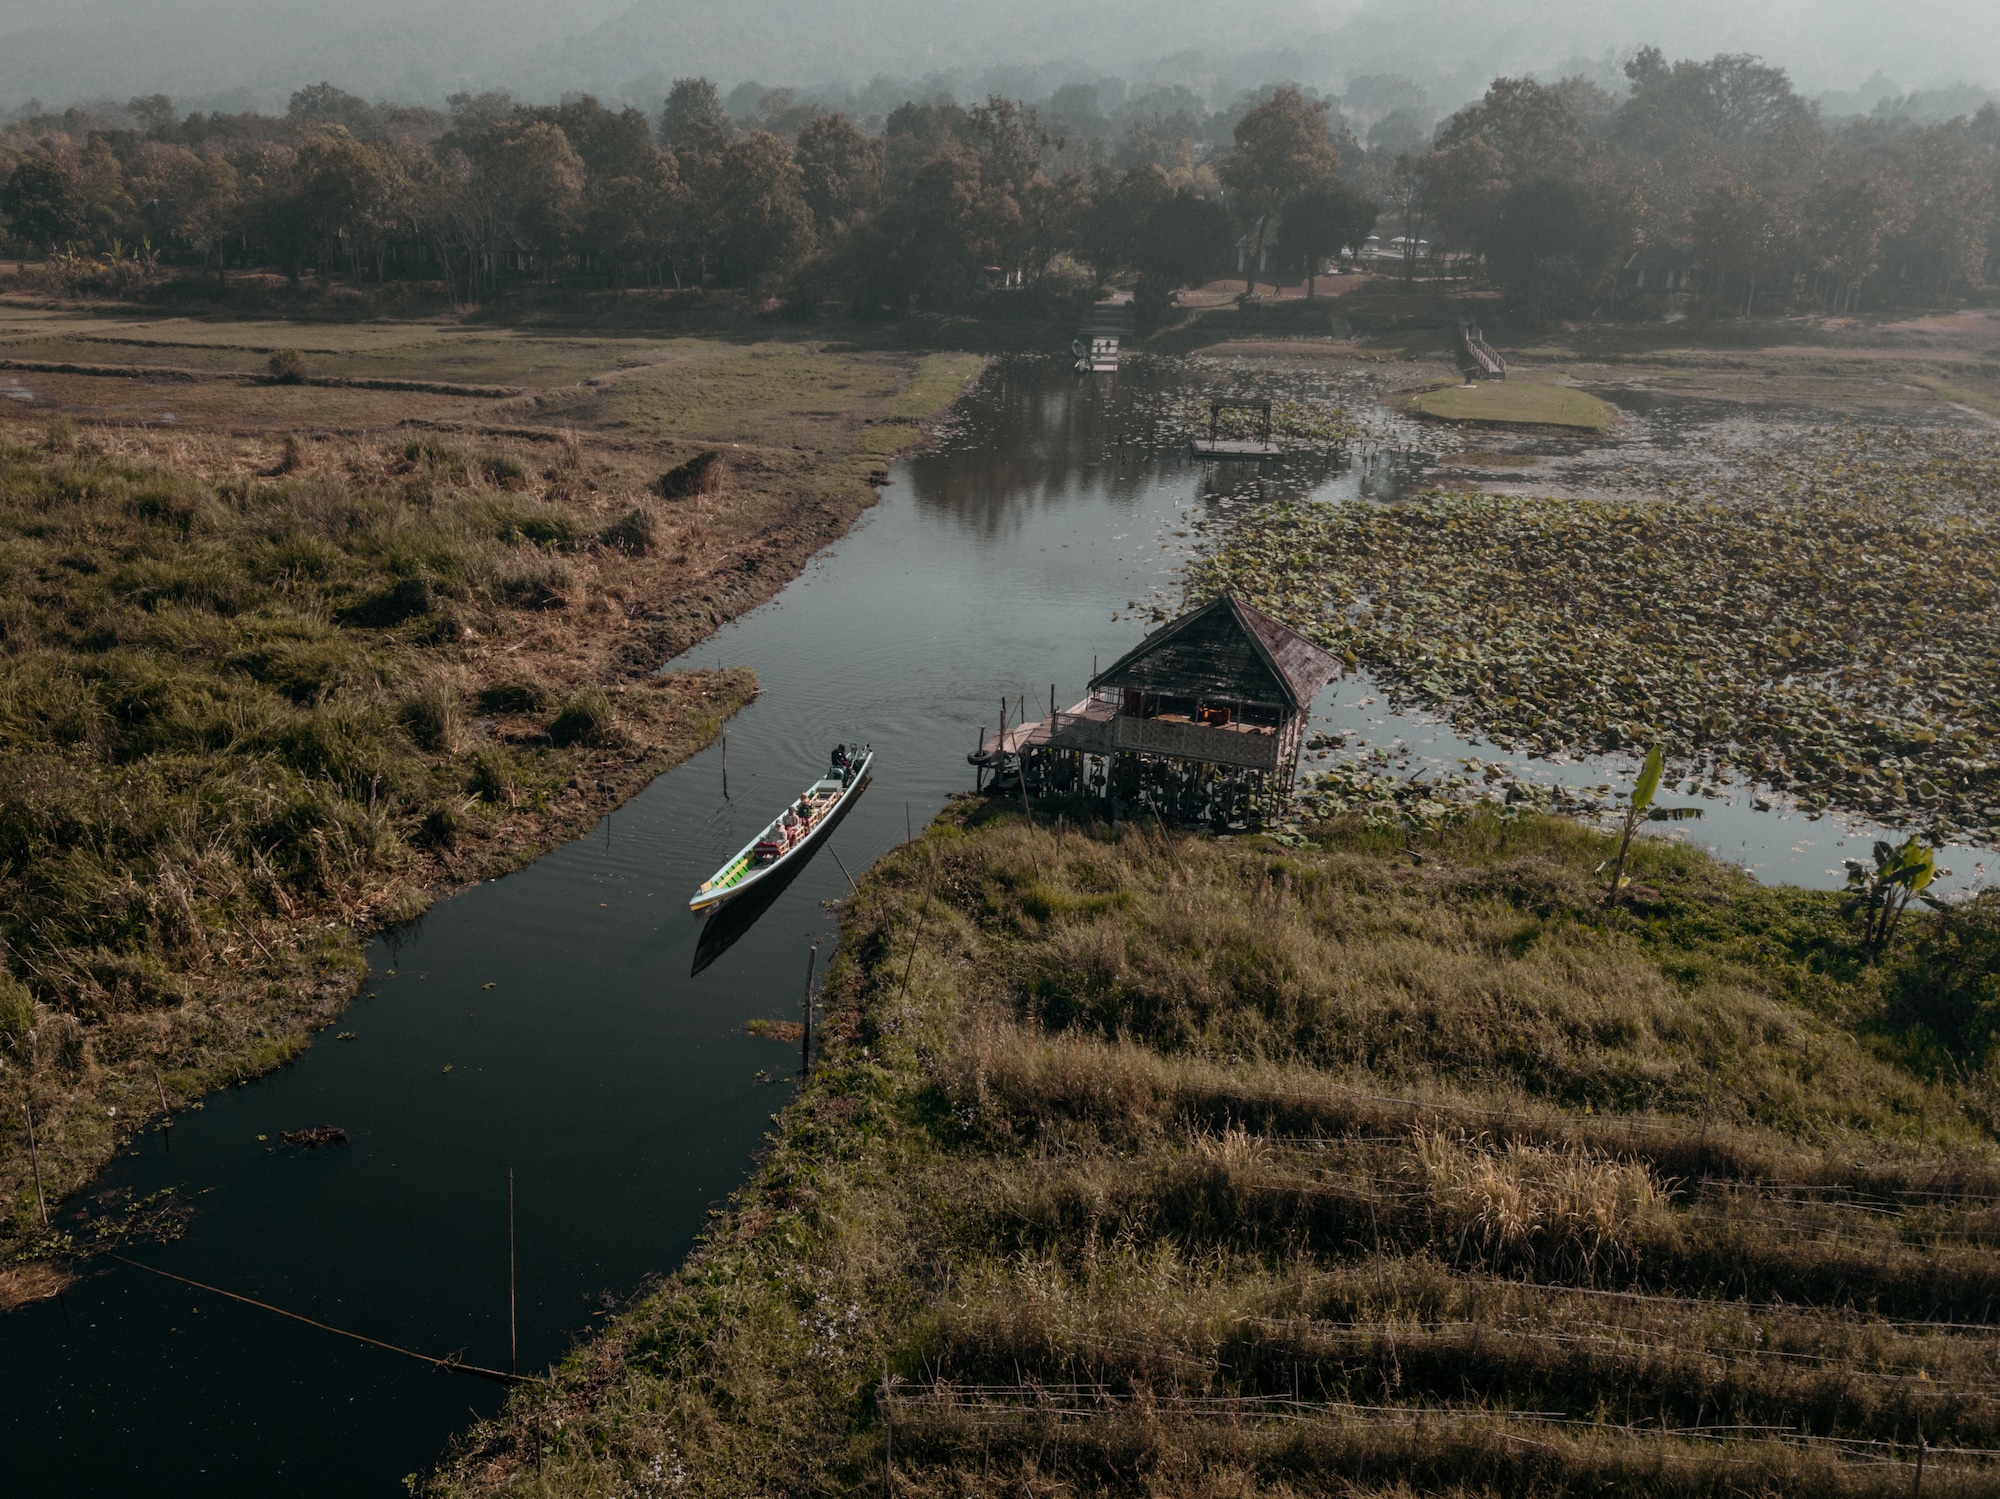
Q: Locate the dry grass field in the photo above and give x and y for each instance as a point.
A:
(1161, 1165)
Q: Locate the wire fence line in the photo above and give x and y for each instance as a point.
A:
(1408, 1333)
(904, 1402)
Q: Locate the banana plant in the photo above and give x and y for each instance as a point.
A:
(1901, 874)
(1642, 808)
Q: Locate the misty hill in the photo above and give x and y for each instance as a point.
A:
(244, 53)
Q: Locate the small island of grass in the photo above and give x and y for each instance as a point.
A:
(1512, 403)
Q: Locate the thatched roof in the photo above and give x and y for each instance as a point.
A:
(1225, 651)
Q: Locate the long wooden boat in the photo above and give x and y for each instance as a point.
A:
(793, 836)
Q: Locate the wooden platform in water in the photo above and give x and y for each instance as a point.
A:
(1233, 447)
(999, 748)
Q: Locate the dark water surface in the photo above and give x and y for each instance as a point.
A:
(624, 1094)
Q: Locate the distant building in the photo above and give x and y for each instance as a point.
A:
(1247, 246)
(1659, 268)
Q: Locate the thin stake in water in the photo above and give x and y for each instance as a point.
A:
(35, 1159)
(806, 1036)
(166, 1129)
(725, 767)
(513, 1333)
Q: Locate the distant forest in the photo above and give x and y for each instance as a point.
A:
(1706, 184)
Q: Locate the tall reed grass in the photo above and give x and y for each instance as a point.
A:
(253, 701)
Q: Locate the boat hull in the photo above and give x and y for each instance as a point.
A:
(780, 870)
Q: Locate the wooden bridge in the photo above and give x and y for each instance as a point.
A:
(1476, 355)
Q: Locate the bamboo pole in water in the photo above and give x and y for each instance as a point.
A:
(725, 767)
(167, 1128)
(513, 1328)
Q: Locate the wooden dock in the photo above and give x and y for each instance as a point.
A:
(1098, 337)
(1234, 447)
(997, 749)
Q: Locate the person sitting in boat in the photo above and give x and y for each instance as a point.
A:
(786, 831)
(843, 764)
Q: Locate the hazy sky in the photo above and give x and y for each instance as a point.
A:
(254, 52)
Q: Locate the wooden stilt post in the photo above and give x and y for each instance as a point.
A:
(725, 767)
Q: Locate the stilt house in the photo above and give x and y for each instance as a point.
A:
(1202, 720)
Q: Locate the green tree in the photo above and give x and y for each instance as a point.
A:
(1182, 239)
(1949, 982)
(939, 232)
(757, 210)
(538, 182)
(1844, 224)
(1116, 219)
(1731, 100)
(1463, 183)
(1320, 222)
(1529, 126)
(323, 104)
(1282, 148)
(100, 177)
(628, 221)
(192, 199)
(608, 144)
(841, 169)
(344, 192)
(694, 125)
(44, 205)
(915, 135)
(1741, 234)
(155, 114)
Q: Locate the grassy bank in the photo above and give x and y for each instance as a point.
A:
(264, 693)
(1512, 403)
(1182, 1166)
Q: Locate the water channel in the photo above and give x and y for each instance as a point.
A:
(547, 1022)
